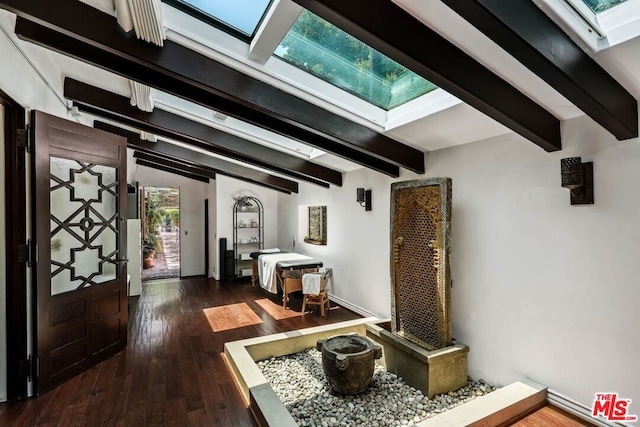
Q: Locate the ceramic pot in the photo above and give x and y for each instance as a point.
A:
(348, 362)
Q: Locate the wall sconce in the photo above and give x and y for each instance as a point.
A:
(578, 178)
(364, 198)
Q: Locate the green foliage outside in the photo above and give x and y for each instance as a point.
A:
(602, 5)
(174, 216)
(329, 53)
(154, 214)
(149, 244)
(159, 212)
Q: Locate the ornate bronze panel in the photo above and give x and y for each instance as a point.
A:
(420, 269)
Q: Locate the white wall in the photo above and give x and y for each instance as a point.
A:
(192, 195)
(134, 255)
(541, 289)
(229, 187)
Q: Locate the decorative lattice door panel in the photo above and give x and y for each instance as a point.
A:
(420, 268)
(84, 224)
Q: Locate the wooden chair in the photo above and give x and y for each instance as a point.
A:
(321, 299)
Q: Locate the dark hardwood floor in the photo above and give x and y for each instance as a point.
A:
(172, 372)
(550, 416)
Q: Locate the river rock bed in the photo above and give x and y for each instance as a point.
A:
(300, 384)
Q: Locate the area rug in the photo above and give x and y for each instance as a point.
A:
(230, 316)
(275, 310)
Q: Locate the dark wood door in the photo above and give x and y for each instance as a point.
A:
(80, 231)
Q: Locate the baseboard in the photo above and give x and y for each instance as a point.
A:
(352, 307)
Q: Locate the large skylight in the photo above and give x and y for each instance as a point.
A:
(329, 53)
(598, 6)
(241, 17)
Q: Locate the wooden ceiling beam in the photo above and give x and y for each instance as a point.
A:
(389, 29)
(83, 32)
(176, 164)
(530, 36)
(221, 167)
(172, 170)
(106, 104)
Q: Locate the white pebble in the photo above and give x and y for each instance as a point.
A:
(299, 382)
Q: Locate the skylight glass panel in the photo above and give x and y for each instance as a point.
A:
(329, 53)
(242, 16)
(601, 5)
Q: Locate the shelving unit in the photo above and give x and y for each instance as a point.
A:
(248, 233)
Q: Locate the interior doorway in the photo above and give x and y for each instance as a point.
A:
(160, 215)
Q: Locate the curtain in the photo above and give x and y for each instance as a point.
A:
(141, 96)
(142, 16)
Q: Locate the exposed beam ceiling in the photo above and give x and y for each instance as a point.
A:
(115, 107)
(176, 164)
(172, 170)
(79, 30)
(394, 32)
(220, 166)
(530, 36)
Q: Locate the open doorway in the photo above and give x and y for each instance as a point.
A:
(160, 215)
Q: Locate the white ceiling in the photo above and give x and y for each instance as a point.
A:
(455, 125)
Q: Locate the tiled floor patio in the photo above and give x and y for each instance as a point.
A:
(167, 261)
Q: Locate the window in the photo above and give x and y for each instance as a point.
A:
(329, 53)
(240, 18)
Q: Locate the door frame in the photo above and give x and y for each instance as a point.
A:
(18, 367)
(206, 238)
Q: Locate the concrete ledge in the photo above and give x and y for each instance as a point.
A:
(493, 409)
(267, 409)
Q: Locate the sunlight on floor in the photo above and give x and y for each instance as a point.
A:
(231, 316)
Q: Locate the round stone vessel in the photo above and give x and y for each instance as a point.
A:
(348, 362)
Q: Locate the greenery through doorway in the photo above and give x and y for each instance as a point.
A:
(160, 213)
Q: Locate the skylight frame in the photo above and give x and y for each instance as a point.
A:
(209, 19)
(594, 32)
(584, 12)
